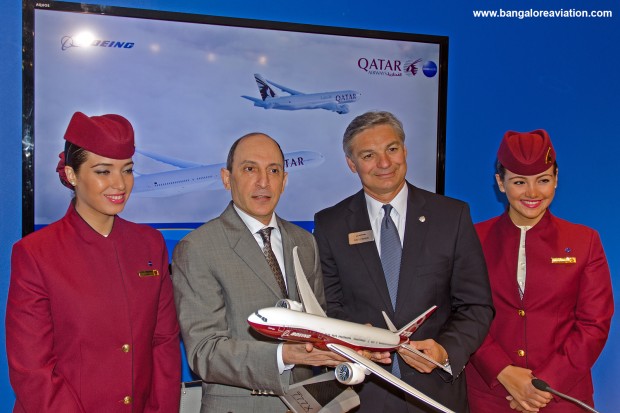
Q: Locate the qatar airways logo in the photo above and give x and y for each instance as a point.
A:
(396, 67)
(87, 40)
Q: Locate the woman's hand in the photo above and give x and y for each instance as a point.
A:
(518, 382)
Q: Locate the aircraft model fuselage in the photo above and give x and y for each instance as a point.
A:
(285, 324)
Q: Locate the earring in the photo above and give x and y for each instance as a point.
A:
(73, 183)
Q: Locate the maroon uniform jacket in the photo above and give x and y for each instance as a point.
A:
(559, 328)
(90, 322)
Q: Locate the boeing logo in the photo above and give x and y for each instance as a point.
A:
(68, 42)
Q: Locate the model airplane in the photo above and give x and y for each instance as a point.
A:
(307, 322)
(191, 176)
(334, 101)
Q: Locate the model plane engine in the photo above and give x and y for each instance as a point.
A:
(350, 373)
(290, 304)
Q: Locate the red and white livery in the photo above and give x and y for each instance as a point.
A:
(306, 322)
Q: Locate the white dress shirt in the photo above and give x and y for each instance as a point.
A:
(398, 214)
(254, 226)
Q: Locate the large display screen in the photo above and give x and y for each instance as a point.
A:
(191, 85)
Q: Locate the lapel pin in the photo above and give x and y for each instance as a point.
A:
(422, 218)
(148, 273)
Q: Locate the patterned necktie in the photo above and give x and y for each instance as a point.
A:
(265, 234)
(391, 252)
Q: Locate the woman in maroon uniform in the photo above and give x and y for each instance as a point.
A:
(551, 289)
(90, 322)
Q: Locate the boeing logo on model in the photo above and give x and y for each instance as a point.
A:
(191, 176)
(395, 67)
(335, 101)
(68, 42)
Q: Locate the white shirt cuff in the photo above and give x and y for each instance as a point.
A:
(281, 366)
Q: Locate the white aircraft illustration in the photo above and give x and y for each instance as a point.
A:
(192, 176)
(334, 101)
(307, 322)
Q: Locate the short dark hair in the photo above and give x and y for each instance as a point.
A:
(233, 148)
(367, 121)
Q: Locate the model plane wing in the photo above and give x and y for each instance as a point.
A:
(407, 347)
(374, 368)
(308, 299)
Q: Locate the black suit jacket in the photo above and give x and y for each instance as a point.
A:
(442, 264)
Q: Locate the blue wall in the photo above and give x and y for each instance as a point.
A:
(559, 74)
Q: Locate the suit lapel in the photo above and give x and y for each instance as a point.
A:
(357, 221)
(245, 246)
(416, 228)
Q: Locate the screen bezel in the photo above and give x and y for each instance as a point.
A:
(28, 80)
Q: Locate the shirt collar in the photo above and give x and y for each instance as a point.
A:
(253, 224)
(399, 203)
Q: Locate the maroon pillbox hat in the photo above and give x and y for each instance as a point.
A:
(526, 153)
(110, 136)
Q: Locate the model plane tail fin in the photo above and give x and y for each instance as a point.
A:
(411, 328)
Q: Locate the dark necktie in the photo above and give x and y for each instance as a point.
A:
(391, 252)
(265, 234)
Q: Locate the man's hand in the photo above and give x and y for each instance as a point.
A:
(376, 356)
(518, 382)
(299, 353)
(429, 347)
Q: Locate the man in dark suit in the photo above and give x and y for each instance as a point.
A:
(222, 274)
(442, 264)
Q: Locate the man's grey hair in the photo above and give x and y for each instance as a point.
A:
(369, 120)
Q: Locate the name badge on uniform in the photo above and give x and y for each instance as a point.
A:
(564, 260)
(361, 237)
(148, 273)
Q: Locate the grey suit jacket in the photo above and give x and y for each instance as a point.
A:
(442, 264)
(220, 277)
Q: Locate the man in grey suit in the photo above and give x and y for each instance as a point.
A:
(396, 248)
(225, 270)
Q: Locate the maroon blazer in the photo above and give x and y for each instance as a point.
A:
(85, 332)
(560, 327)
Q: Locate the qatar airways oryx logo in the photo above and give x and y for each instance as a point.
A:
(87, 40)
(396, 67)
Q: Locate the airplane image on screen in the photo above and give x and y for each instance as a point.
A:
(307, 322)
(192, 176)
(334, 101)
